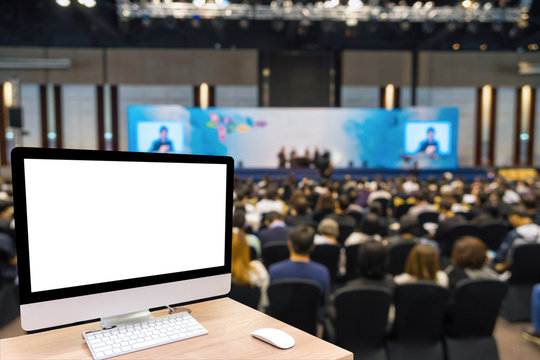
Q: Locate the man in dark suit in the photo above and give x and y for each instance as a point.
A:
(276, 229)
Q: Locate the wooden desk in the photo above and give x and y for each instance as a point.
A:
(229, 325)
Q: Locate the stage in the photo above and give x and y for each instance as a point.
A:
(339, 173)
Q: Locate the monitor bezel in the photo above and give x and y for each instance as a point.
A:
(19, 154)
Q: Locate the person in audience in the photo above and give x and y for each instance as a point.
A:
(468, 261)
(525, 232)
(531, 204)
(300, 213)
(270, 201)
(299, 265)
(246, 272)
(8, 259)
(424, 203)
(368, 230)
(449, 219)
(340, 216)
(380, 192)
(533, 334)
(325, 206)
(239, 222)
(489, 213)
(423, 263)
(409, 230)
(372, 266)
(327, 232)
(276, 229)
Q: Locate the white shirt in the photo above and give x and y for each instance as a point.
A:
(442, 279)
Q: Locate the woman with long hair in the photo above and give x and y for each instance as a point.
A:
(245, 271)
(423, 264)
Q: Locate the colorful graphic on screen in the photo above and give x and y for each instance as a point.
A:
(374, 138)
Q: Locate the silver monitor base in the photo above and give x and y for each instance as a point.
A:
(124, 319)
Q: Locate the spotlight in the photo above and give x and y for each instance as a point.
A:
(428, 27)
(146, 22)
(405, 25)
(63, 3)
(328, 26)
(472, 27)
(196, 22)
(451, 26)
(244, 24)
(218, 23)
(466, 4)
(170, 22)
(278, 25)
(497, 26)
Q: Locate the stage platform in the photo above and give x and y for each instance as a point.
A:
(257, 173)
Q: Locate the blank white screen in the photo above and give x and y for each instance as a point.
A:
(96, 221)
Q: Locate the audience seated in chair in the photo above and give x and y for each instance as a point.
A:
(372, 266)
(300, 213)
(368, 230)
(245, 272)
(469, 256)
(276, 229)
(239, 222)
(327, 232)
(525, 232)
(299, 265)
(423, 264)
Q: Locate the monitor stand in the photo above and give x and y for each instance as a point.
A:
(124, 319)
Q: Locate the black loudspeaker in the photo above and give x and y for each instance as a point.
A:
(15, 117)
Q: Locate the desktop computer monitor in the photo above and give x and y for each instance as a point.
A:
(104, 233)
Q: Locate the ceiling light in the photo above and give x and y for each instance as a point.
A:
(63, 3)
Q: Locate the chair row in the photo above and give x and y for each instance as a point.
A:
(430, 322)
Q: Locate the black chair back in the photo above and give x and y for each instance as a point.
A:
(328, 255)
(295, 301)
(447, 241)
(428, 217)
(401, 210)
(9, 303)
(398, 256)
(351, 254)
(420, 309)
(361, 317)
(344, 232)
(525, 266)
(252, 253)
(357, 215)
(475, 307)
(466, 215)
(273, 252)
(246, 294)
(493, 234)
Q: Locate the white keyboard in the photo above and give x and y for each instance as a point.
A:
(118, 340)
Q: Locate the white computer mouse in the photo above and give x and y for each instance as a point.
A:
(276, 337)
